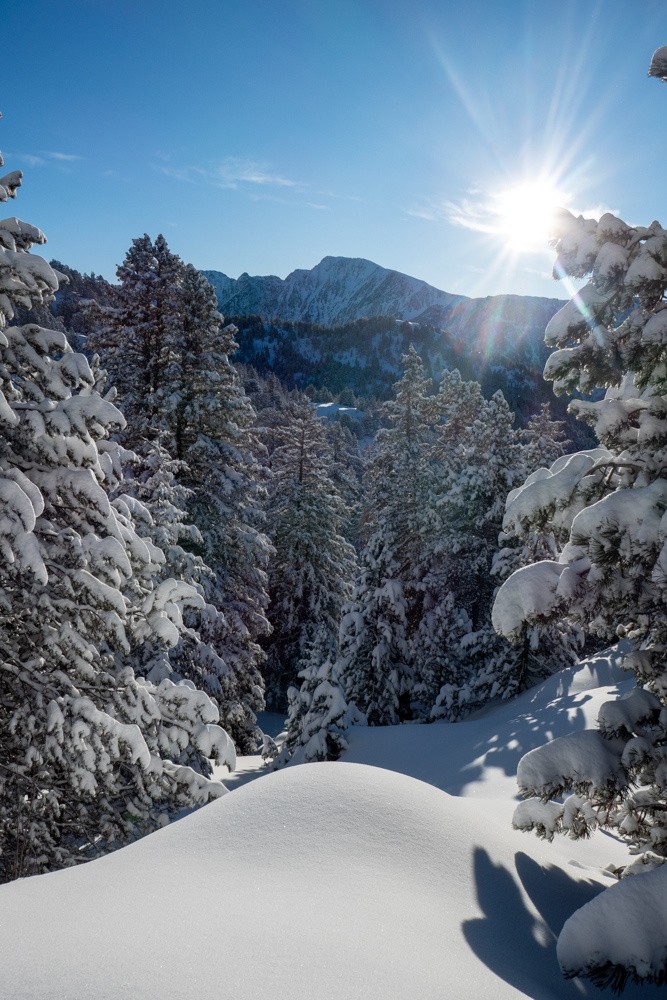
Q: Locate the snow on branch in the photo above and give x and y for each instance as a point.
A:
(658, 65)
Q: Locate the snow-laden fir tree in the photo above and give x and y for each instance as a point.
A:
(375, 657)
(160, 516)
(475, 460)
(346, 474)
(164, 344)
(77, 303)
(611, 573)
(543, 440)
(136, 334)
(89, 753)
(318, 713)
(157, 503)
(416, 640)
(542, 648)
(311, 573)
(213, 430)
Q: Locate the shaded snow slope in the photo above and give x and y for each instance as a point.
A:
(479, 756)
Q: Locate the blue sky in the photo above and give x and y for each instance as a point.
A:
(262, 135)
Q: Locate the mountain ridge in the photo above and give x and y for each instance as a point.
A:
(341, 290)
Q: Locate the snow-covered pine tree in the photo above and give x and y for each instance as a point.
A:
(160, 518)
(374, 655)
(313, 567)
(318, 713)
(536, 532)
(212, 424)
(417, 639)
(346, 474)
(165, 339)
(474, 461)
(135, 336)
(376, 659)
(611, 574)
(88, 752)
(78, 303)
(543, 440)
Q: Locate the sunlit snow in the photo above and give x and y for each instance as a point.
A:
(339, 881)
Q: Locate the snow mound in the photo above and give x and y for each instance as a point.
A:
(341, 881)
(622, 931)
(325, 880)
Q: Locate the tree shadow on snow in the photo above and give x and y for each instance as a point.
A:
(537, 716)
(510, 740)
(516, 945)
(553, 893)
(520, 946)
(533, 730)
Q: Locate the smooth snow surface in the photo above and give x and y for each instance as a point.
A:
(338, 881)
(327, 880)
(613, 927)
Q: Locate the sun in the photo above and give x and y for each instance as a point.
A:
(525, 214)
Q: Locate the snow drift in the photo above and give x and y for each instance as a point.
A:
(337, 880)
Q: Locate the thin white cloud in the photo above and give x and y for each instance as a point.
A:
(257, 179)
(41, 158)
(179, 173)
(62, 157)
(475, 212)
(423, 212)
(236, 171)
(29, 158)
(338, 197)
(479, 214)
(233, 173)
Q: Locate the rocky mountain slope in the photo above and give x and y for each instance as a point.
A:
(340, 290)
(346, 323)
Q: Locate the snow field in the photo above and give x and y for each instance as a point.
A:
(336, 880)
